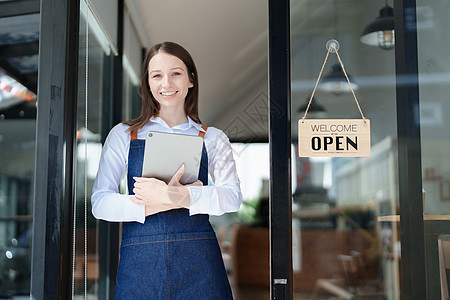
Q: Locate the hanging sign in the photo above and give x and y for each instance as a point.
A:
(334, 137)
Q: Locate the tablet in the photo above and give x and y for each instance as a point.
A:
(164, 154)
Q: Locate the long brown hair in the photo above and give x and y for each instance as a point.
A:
(150, 107)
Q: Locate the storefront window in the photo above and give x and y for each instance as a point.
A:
(19, 38)
(16, 190)
(434, 78)
(346, 239)
(131, 105)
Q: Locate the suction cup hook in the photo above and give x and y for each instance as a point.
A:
(333, 45)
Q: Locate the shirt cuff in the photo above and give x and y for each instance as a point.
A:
(199, 200)
(140, 213)
(118, 208)
(130, 211)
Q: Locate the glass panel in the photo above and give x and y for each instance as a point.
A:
(17, 142)
(17, 150)
(434, 78)
(131, 105)
(244, 235)
(345, 210)
(86, 167)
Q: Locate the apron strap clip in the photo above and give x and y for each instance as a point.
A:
(202, 133)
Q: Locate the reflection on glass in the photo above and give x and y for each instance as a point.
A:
(381, 31)
(131, 104)
(434, 82)
(17, 152)
(434, 79)
(244, 236)
(346, 240)
(17, 142)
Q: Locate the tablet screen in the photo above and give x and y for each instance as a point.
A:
(166, 152)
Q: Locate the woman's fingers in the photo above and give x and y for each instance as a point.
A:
(196, 183)
(139, 179)
(138, 196)
(144, 179)
(137, 201)
(142, 182)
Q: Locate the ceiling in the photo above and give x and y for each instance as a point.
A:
(19, 47)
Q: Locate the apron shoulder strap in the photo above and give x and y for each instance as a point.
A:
(133, 135)
(202, 133)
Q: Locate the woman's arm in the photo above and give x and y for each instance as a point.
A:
(107, 203)
(225, 196)
(157, 196)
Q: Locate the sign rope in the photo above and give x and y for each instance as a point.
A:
(332, 47)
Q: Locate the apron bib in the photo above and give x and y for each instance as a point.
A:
(172, 255)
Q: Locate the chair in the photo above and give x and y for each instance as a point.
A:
(353, 283)
(444, 264)
(226, 236)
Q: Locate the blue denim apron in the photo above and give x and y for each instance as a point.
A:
(172, 255)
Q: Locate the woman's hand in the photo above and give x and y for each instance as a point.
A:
(152, 193)
(158, 196)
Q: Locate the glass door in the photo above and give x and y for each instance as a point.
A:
(433, 74)
(345, 224)
(19, 40)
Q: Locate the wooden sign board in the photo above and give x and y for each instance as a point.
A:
(334, 137)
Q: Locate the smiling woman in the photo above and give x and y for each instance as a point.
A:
(169, 222)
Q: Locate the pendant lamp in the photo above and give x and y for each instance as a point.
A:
(335, 81)
(381, 31)
(314, 109)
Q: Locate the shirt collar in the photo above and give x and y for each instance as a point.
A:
(185, 126)
(196, 125)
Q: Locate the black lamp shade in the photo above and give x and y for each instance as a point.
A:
(313, 108)
(335, 81)
(381, 31)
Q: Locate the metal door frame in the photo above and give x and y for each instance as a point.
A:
(409, 151)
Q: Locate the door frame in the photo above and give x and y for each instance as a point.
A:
(280, 220)
(413, 276)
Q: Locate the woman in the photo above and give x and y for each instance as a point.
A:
(168, 248)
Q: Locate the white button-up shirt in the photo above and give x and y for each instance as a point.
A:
(222, 197)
